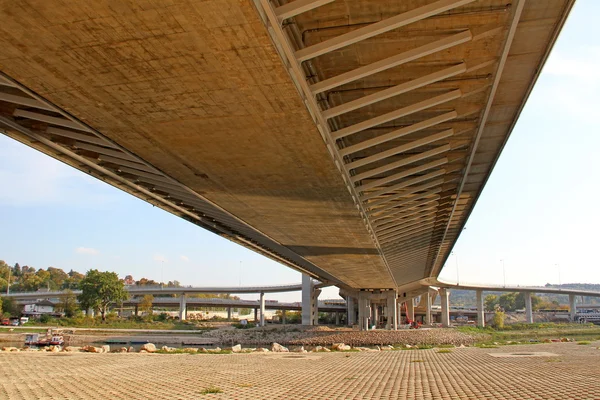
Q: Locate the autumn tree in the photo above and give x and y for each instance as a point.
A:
(146, 303)
(100, 290)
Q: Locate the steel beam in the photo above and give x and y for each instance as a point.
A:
(404, 184)
(377, 28)
(398, 133)
(294, 8)
(120, 162)
(409, 232)
(60, 121)
(404, 147)
(78, 136)
(403, 174)
(391, 62)
(426, 205)
(404, 161)
(399, 113)
(412, 190)
(397, 90)
(24, 101)
(402, 227)
(427, 197)
(400, 222)
(105, 151)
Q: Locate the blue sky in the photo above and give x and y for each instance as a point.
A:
(538, 211)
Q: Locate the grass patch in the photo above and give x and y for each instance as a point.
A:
(444, 351)
(532, 333)
(445, 346)
(552, 360)
(417, 361)
(211, 390)
(584, 342)
(486, 346)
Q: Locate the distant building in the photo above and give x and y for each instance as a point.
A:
(39, 307)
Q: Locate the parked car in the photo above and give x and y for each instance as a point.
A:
(14, 322)
(5, 321)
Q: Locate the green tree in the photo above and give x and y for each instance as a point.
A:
(490, 302)
(146, 303)
(100, 290)
(508, 301)
(498, 321)
(69, 304)
(10, 307)
(520, 301)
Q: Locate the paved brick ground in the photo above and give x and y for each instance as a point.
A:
(468, 373)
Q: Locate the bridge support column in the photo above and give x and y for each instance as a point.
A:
(310, 302)
(480, 309)
(445, 297)
(228, 313)
(410, 309)
(262, 309)
(351, 318)
(136, 310)
(182, 308)
(283, 317)
(307, 288)
(255, 315)
(375, 314)
(364, 311)
(392, 322)
(528, 308)
(427, 298)
(337, 318)
(572, 307)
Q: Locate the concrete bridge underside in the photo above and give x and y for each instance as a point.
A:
(346, 139)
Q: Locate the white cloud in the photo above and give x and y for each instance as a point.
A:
(86, 250)
(159, 257)
(184, 258)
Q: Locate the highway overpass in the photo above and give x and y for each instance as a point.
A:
(347, 139)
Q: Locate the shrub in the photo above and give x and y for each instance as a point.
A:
(45, 318)
(498, 321)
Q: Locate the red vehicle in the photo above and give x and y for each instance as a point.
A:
(5, 321)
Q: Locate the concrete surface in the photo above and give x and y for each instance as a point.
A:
(468, 373)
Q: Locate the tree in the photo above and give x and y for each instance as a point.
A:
(146, 303)
(100, 290)
(520, 301)
(490, 302)
(508, 301)
(69, 304)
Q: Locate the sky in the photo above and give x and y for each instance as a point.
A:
(535, 222)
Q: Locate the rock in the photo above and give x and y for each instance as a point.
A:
(168, 349)
(277, 348)
(299, 350)
(9, 348)
(262, 350)
(72, 349)
(336, 346)
(190, 350)
(131, 349)
(143, 351)
(106, 348)
(564, 339)
(325, 349)
(202, 350)
(377, 348)
(237, 348)
(408, 346)
(55, 349)
(318, 348)
(149, 347)
(123, 350)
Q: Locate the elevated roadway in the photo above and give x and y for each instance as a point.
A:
(347, 139)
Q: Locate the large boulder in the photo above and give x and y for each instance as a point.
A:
(72, 349)
(106, 348)
(340, 347)
(9, 348)
(237, 348)
(277, 348)
(149, 347)
(168, 349)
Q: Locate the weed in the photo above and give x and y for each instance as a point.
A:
(444, 351)
(211, 389)
(583, 342)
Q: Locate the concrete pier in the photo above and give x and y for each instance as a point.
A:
(428, 308)
(572, 307)
(351, 311)
(262, 309)
(229, 313)
(182, 308)
(528, 308)
(480, 309)
(445, 297)
(391, 314)
(410, 309)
